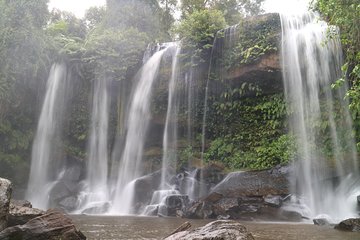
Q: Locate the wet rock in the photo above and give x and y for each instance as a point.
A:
(59, 191)
(173, 203)
(228, 204)
(212, 173)
(254, 183)
(21, 212)
(73, 173)
(288, 215)
(213, 197)
(321, 222)
(20, 203)
(69, 203)
(358, 200)
(195, 211)
(274, 201)
(351, 224)
(223, 217)
(97, 208)
(145, 186)
(52, 225)
(5, 194)
(221, 229)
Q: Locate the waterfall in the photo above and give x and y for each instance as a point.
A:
(170, 131)
(45, 145)
(224, 40)
(325, 171)
(130, 166)
(96, 188)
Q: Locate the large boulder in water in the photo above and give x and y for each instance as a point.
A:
(145, 186)
(52, 225)
(222, 229)
(21, 212)
(248, 195)
(5, 194)
(254, 183)
(351, 224)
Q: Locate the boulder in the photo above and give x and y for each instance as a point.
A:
(172, 204)
(254, 183)
(5, 194)
(321, 222)
(97, 208)
(53, 225)
(145, 186)
(21, 212)
(69, 203)
(351, 224)
(221, 229)
(273, 201)
(59, 192)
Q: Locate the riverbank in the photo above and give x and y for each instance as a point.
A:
(132, 227)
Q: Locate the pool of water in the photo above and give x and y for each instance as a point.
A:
(131, 227)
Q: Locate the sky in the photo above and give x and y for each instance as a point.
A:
(78, 7)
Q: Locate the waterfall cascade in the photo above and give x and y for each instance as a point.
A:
(44, 150)
(95, 192)
(170, 131)
(311, 63)
(130, 166)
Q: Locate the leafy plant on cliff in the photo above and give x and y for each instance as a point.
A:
(198, 31)
(346, 15)
(252, 130)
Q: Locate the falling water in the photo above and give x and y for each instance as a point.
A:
(96, 188)
(138, 121)
(311, 63)
(47, 133)
(170, 131)
(224, 40)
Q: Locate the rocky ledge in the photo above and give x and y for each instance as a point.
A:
(221, 229)
(351, 225)
(18, 220)
(250, 195)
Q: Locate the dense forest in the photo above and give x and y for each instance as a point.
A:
(109, 42)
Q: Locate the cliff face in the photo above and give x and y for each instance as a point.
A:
(246, 109)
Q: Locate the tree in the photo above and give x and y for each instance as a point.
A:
(346, 15)
(145, 15)
(198, 31)
(24, 64)
(233, 10)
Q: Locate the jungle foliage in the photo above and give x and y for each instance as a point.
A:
(108, 43)
(346, 15)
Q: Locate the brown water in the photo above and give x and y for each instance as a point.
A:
(111, 228)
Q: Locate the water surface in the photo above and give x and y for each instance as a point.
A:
(129, 227)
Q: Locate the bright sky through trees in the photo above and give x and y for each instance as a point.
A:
(78, 7)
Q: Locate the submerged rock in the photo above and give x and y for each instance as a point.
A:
(21, 212)
(69, 203)
(321, 222)
(5, 194)
(351, 224)
(53, 225)
(97, 208)
(221, 229)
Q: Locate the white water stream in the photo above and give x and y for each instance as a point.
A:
(48, 132)
(325, 172)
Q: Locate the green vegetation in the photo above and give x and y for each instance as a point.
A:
(247, 127)
(346, 15)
